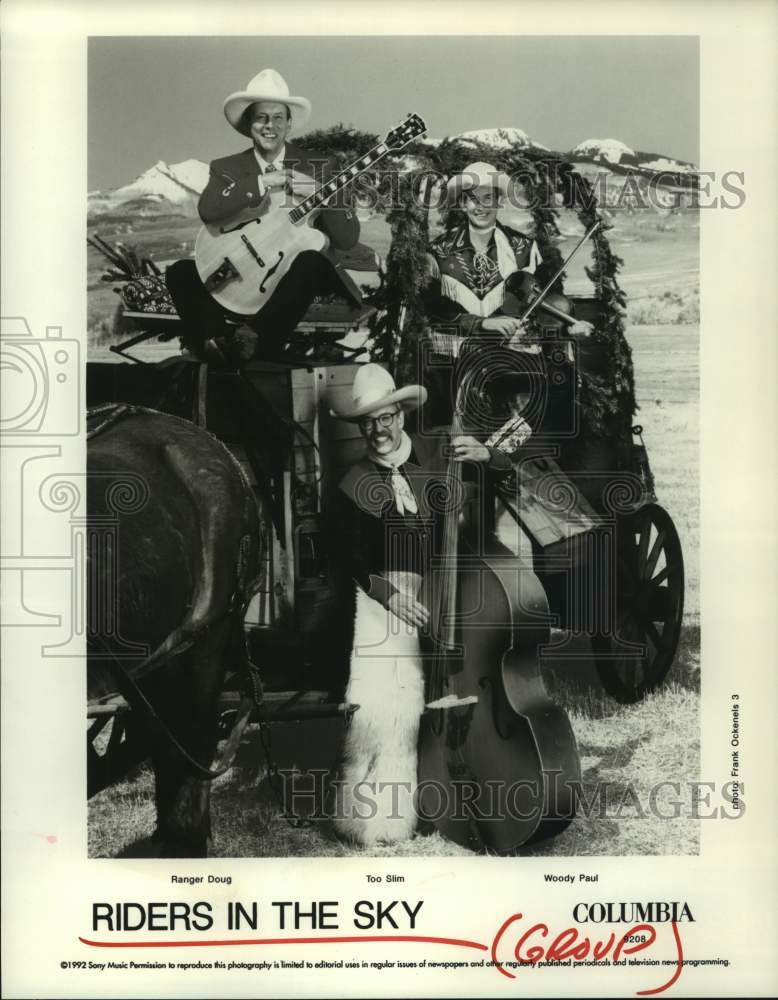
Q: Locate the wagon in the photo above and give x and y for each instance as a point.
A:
(606, 552)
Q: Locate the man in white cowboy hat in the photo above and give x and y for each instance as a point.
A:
(469, 263)
(238, 184)
(470, 267)
(384, 522)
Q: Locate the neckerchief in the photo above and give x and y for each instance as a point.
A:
(404, 499)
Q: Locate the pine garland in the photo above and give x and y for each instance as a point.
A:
(401, 318)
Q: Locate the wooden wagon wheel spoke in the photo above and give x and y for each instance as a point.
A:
(96, 728)
(660, 604)
(649, 608)
(653, 557)
(645, 538)
(654, 635)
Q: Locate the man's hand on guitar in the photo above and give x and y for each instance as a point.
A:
(291, 182)
(408, 609)
(274, 180)
(506, 326)
(300, 185)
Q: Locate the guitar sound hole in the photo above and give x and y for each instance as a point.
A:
(272, 271)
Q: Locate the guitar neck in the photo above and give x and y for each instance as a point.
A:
(338, 182)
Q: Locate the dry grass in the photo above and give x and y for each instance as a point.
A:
(658, 262)
(625, 752)
(629, 753)
(668, 307)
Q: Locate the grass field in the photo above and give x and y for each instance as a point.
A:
(628, 750)
(660, 274)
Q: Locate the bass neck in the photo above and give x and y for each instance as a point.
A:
(338, 182)
(446, 604)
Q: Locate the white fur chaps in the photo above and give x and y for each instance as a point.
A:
(375, 797)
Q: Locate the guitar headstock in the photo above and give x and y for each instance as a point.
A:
(406, 132)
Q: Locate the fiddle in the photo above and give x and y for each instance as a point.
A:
(523, 291)
(552, 303)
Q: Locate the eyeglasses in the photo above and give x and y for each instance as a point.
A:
(384, 420)
(490, 200)
(262, 119)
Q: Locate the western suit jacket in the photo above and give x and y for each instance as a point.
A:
(233, 185)
(372, 538)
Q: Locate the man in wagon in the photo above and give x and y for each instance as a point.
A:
(384, 526)
(470, 268)
(240, 185)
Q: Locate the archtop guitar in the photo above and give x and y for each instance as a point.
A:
(242, 262)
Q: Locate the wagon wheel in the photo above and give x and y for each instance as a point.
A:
(648, 592)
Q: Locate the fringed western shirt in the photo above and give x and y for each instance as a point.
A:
(466, 286)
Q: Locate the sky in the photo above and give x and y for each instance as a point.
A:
(160, 98)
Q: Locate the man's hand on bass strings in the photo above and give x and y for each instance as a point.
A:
(469, 449)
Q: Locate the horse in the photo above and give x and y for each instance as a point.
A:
(175, 549)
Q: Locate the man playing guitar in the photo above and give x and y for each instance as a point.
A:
(243, 185)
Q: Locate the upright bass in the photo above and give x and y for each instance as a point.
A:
(498, 762)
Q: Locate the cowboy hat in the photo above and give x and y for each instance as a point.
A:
(374, 387)
(268, 85)
(478, 175)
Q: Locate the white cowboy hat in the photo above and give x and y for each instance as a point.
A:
(478, 175)
(268, 85)
(374, 387)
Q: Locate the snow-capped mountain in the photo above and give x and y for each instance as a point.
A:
(613, 153)
(610, 150)
(177, 182)
(663, 163)
(162, 188)
(501, 137)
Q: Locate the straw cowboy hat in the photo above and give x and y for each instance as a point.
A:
(268, 85)
(478, 175)
(374, 387)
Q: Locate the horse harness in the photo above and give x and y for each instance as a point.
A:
(253, 695)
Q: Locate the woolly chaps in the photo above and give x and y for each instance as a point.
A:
(375, 796)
